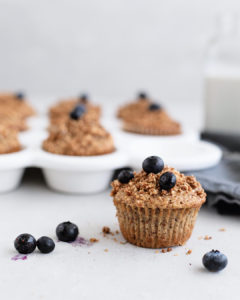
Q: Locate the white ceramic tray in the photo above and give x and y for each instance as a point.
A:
(85, 175)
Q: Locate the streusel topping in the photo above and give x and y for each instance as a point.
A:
(79, 138)
(144, 191)
(8, 141)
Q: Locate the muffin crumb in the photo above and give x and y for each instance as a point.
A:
(106, 230)
(207, 237)
(93, 240)
(105, 250)
(189, 252)
(169, 249)
(222, 229)
(163, 250)
(157, 251)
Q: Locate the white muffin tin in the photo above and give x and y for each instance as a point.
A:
(92, 174)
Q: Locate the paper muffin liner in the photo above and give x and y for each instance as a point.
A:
(156, 228)
(151, 131)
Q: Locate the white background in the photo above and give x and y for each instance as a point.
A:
(110, 48)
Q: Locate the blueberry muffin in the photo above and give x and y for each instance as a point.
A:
(146, 117)
(16, 102)
(138, 105)
(59, 113)
(158, 206)
(8, 141)
(79, 136)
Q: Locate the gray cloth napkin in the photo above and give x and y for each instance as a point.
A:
(222, 182)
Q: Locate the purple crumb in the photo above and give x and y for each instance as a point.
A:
(19, 257)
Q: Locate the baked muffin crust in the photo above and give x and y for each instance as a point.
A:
(8, 141)
(79, 138)
(144, 191)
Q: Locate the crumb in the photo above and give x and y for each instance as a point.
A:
(106, 230)
(169, 249)
(175, 254)
(190, 264)
(115, 240)
(93, 240)
(222, 229)
(189, 252)
(123, 243)
(105, 250)
(200, 237)
(111, 233)
(117, 232)
(157, 251)
(163, 250)
(207, 237)
(89, 252)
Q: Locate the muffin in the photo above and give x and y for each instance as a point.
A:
(11, 120)
(79, 137)
(138, 105)
(158, 206)
(16, 102)
(8, 141)
(59, 113)
(146, 117)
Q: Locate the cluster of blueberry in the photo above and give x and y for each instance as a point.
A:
(80, 109)
(152, 106)
(25, 243)
(152, 164)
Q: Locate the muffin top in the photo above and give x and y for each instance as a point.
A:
(164, 187)
(146, 117)
(8, 141)
(10, 102)
(79, 137)
(59, 112)
(134, 108)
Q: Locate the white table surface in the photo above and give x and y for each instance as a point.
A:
(125, 271)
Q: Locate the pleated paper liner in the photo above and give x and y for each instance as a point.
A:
(156, 228)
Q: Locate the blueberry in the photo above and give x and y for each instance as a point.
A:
(19, 96)
(142, 96)
(154, 106)
(45, 244)
(125, 176)
(153, 164)
(25, 243)
(214, 261)
(67, 232)
(167, 181)
(78, 112)
(83, 98)
(118, 171)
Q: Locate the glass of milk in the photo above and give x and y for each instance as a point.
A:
(222, 78)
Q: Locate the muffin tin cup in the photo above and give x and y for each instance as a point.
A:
(12, 167)
(79, 175)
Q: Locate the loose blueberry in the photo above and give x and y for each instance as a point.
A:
(19, 96)
(214, 261)
(125, 176)
(167, 181)
(45, 244)
(67, 232)
(153, 164)
(78, 112)
(83, 98)
(142, 96)
(154, 106)
(118, 171)
(25, 243)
